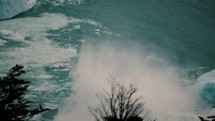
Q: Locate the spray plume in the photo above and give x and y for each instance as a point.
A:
(156, 80)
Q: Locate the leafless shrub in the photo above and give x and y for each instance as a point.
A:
(119, 104)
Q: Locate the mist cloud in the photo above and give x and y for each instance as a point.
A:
(156, 80)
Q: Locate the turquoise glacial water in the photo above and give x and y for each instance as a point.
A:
(67, 46)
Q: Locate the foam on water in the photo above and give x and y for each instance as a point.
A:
(2, 42)
(210, 76)
(7, 34)
(32, 44)
(63, 2)
(157, 81)
(35, 26)
(205, 86)
(42, 53)
(166, 95)
(29, 45)
(33, 32)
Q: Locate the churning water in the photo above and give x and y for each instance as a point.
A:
(70, 47)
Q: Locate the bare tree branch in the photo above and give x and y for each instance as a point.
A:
(119, 105)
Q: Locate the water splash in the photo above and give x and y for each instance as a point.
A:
(156, 80)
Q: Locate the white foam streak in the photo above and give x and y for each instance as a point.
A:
(40, 50)
(42, 53)
(35, 26)
(2, 42)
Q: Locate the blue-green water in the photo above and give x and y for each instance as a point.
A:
(68, 46)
